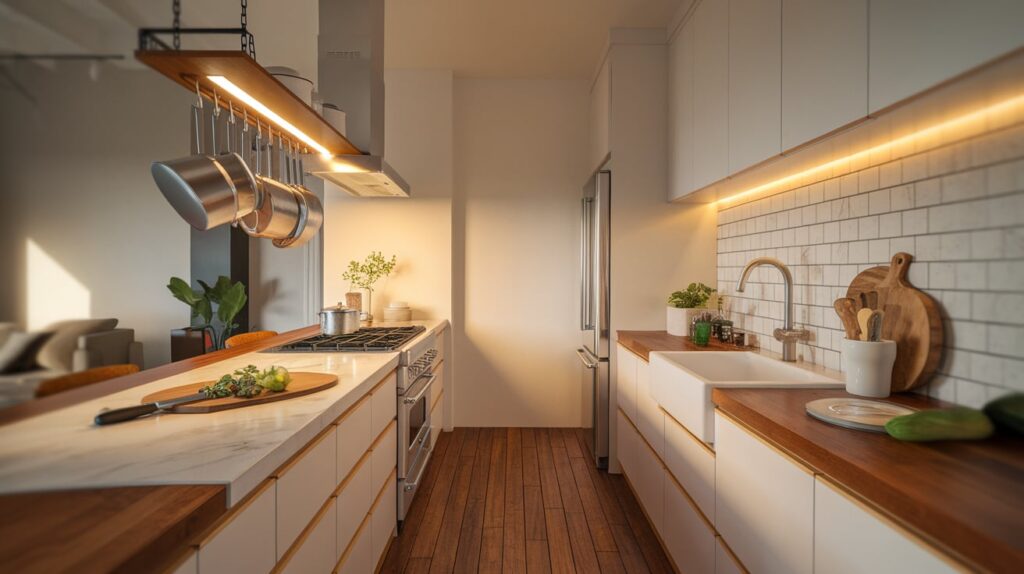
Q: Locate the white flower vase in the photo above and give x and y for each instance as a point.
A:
(677, 321)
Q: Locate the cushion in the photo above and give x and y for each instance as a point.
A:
(19, 353)
(57, 352)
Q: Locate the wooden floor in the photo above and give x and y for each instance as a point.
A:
(522, 500)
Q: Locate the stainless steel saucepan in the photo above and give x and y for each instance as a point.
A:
(207, 191)
(339, 320)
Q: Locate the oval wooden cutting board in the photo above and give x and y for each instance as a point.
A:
(302, 384)
(911, 319)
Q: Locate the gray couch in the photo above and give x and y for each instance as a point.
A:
(76, 345)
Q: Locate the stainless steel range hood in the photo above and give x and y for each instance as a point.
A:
(351, 76)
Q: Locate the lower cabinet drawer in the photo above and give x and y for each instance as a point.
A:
(438, 386)
(246, 543)
(355, 433)
(692, 463)
(384, 518)
(358, 557)
(689, 539)
(316, 552)
(626, 442)
(302, 488)
(725, 562)
(648, 480)
(354, 502)
(384, 403)
(384, 456)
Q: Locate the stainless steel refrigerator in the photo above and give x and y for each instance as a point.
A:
(595, 311)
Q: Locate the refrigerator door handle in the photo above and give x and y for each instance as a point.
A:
(586, 261)
(586, 359)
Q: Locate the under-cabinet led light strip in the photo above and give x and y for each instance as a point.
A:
(957, 122)
(268, 113)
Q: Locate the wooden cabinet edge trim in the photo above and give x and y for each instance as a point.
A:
(233, 512)
(933, 547)
(382, 489)
(187, 553)
(379, 437)
(295, 458)
(380, 383)
(352, 473)
(351, 543)
(632, 352)
(436, 401)
(800, 464)
(719, 539)
(384, 553)
(691, 501)
(301, 539)
(348, 412)
(702, 444)
(437, 365)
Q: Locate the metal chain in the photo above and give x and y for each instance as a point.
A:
(247, 42)
(176, 8)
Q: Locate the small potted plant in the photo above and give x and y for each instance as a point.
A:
(364, 275)
(205, 333)
(684, 305)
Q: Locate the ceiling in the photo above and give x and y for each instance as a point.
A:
(527, 38)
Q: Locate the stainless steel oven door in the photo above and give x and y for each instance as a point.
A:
(414, 438)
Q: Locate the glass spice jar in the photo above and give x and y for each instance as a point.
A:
(725, 331)
(702, 333)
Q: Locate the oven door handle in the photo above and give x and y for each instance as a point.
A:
(410, 486)
(412, 400)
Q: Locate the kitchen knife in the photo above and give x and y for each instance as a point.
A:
(129, 413)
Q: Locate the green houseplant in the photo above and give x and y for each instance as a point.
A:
(365, 275)
(683, 305)
(228, 298)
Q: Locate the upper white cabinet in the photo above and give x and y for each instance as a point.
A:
(680, 111)
(915, 44)
(710, 92)
(764, 502)
(600, 116)
(824, 67)
(755, 81)
(850, 539)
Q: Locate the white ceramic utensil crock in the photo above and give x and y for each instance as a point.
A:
(868, 367)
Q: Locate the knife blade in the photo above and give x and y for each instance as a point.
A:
(130, 413)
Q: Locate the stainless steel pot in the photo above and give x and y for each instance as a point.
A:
(339, 320)
(277, 213)
(311, 218)
(207, 191)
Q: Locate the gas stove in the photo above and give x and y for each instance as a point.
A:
(367, 339)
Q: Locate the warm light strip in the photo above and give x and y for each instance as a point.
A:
(1004, 106)
(268, 113)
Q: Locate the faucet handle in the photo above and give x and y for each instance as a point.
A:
(787, 335)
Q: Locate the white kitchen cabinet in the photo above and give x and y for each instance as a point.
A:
(383, 519)
(317, 553)
(764, 502)
(650, 419)
(625, 370)
(648, 481)
(438, 385)
(251, 527)
(600, 116)
(824, 67)
(849, 538)
(627, 440)
(680, 109)
(358, 557)
(725, 562)
(303, 485)
(755, 81)
(190, 565)
(384, 404)
(384, 456)
(915, 44)
(688, 538)
(693, 464)
(710, 92)
(353, 504)
(354, 437)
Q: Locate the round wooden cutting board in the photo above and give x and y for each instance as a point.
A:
(911, 319)
(302, 384)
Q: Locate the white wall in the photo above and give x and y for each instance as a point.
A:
(74, 179)
(521, 154)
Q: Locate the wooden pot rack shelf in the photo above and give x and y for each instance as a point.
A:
(187, 67)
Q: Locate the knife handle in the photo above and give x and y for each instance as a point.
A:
(125, 414)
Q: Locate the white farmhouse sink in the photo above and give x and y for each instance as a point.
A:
(681, 382)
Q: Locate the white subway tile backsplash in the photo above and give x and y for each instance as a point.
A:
(958, 210)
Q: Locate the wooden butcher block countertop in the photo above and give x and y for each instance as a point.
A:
(641, 343)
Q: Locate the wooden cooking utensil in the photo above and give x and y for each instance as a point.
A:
(302, 384)
(844, 307)
(863, 316)
(911, 319)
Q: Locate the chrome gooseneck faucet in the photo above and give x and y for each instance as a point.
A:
(787, 334)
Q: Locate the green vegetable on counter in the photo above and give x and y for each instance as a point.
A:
(249, 382)
(1007, 413)
(960, 423)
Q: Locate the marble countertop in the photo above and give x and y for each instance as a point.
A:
(63, 450)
